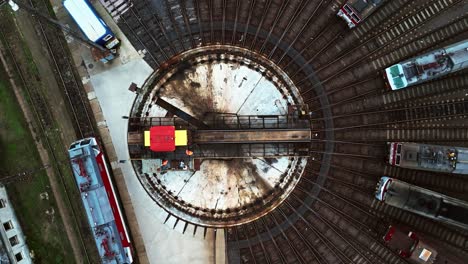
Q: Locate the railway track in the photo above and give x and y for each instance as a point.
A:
(417, 114)
(446, 234)
(49, 135)
(387, 57)
(387, 34)
(70, 82)
(349, 71)
(331, 217)
(377, 98)
(457, 26)
(79, 108)
(386, 15)
(66, 75)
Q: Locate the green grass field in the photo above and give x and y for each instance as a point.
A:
(18, 153)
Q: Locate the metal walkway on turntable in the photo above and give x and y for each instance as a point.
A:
(251, 136)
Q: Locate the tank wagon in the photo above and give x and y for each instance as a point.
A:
(428, 66)
(355, 11)
(423, 202)
(436, 158)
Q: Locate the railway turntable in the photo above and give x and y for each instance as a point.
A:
(227, 136)
(218, 139)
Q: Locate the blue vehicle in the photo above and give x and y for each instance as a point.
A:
(94, 28)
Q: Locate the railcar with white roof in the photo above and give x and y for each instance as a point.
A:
(90, 23)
